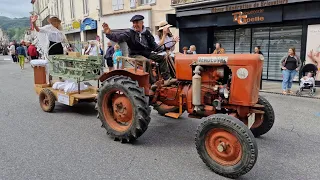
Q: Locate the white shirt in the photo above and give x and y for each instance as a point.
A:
(53, 33)
(92, 51)
(166, 40)
(12, 50)
(170, 44)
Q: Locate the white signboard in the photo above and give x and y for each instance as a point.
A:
(63, 98)
(221, 59)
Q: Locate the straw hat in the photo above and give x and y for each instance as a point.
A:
(54, 19)
(163, 24)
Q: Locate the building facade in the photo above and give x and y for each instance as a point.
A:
(275, 25)
(117, 13)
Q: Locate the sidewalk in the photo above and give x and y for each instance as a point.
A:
(275, 88)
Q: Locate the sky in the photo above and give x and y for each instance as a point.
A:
(15, 8)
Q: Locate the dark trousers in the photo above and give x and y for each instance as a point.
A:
(34, 57)
(14, 58)
(163, 65)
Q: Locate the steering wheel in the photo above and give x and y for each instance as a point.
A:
(163, 47)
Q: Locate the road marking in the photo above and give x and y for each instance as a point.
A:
(7, 59)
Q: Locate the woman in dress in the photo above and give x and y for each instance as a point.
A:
(50, 36)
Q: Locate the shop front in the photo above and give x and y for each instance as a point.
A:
(274, 25)
(72, 32)
(89, 28)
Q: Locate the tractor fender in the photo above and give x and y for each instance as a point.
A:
(141, 77)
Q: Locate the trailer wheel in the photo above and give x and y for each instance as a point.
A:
(268, 118)
(226, 145)
(47, 100)
(123, 108)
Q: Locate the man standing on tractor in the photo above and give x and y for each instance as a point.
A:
(141, 42)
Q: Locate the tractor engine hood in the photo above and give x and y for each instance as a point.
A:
(183, 62)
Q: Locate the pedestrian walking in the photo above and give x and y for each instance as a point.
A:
(290, 65)
(32, 51)
(12, 52)
(21, 55)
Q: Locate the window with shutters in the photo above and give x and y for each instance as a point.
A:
(85, 7)
(72, 9)
(62, 11)
(132, 3)
(146, 2)
(117, 5)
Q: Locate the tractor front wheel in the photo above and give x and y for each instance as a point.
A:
(47, 100)
(226, 145)
(123, 108)
(268, 118)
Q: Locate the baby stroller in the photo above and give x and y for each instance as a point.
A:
(309, 68)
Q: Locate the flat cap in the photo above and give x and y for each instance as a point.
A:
(137, 18)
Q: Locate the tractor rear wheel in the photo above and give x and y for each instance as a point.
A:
(47, 100)
(123, 108)
(226, 145)
(268, 118)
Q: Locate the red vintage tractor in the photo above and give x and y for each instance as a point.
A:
(222, 89)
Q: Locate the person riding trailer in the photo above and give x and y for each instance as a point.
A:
(140, 41)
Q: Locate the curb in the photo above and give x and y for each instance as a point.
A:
(269, 92)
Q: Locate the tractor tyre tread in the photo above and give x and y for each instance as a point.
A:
(140, 105)
(268, 118)
(245, 137)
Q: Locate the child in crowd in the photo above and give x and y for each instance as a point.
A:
(307, 80)
(117, 53)
(192, 50)
(21, 55)
(185, 50)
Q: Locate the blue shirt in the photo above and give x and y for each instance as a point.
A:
(21, 51)
(115, 55)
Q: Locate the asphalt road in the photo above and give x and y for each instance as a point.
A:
(69, 143)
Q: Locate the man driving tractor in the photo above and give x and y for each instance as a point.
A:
(140, 41)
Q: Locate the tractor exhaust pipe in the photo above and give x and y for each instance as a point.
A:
(196, 88)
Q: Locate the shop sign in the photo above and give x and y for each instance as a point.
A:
(258, 4)
(238, 7)
(88, 24)
(248, 16)
(255, 16)
(74, 26)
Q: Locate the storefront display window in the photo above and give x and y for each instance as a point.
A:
(260, 37)
(226, 39)
(243, 41)
(281, 39)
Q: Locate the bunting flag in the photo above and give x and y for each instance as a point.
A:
(33, 1)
